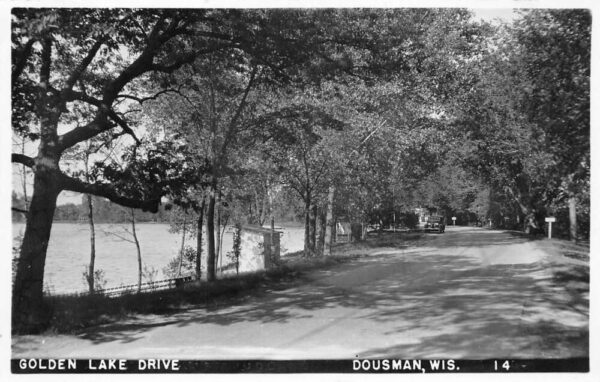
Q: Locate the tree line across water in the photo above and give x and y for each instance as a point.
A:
(105, 211)
(360, 114)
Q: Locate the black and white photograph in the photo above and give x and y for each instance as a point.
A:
(298, 188)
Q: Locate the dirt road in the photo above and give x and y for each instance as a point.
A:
(468, 293)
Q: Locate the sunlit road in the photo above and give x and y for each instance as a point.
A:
(468, 293)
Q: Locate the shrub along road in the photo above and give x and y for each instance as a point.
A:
(469, 293)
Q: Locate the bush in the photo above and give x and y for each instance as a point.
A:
(409, 219)
(99, 279)
(188, 265)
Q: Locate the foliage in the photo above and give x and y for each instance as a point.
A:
(99, 279)
(171, 270)
(557, 56)
(527, 110)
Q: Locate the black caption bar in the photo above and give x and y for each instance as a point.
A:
(55, 366)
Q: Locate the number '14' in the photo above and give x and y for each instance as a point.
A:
(505, 365)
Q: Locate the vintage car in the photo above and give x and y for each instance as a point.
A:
(435, 223)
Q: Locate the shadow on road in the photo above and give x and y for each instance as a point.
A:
(452, 237)
(431, 305)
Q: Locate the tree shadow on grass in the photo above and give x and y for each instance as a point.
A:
(470, 237)
(493, 339)
(124, 332)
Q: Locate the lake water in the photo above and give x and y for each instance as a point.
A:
(69, 252)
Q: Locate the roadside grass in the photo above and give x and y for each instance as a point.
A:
(380, 239)
(70, 314)
(570, 269)
(579, 250)
(574, 250)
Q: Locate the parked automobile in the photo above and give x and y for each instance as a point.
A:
(435, 223)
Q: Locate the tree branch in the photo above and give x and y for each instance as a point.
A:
(302, 193)
(238, 112)
(84, 64)
(46, 61)
(123, 124)
(107, 191)
(156, 29)
(137, 24)
(95, 150)
(23, 159)
(96, 126)
(187, 58)
(144, 63)
(20, 210)
(107, 233)
(242, 104)
(149, 98)
(24, 55)
(71, 95)
(81, 133)
(215, 35)
(320, 172)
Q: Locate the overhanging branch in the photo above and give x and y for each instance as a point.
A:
(84, 132)
(107, 191)
(84, 63)
(124, 125)
(79, 96)
(179, 62)
(142, 64)
(22, 159)
(234, 120)
(20, 210)
(141, 100)
(99, 125)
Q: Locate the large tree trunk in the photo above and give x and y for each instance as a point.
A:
(329, 222)
(29, 312)
(199, 240)
(572, 217)
(91, 267)
(210, 237)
